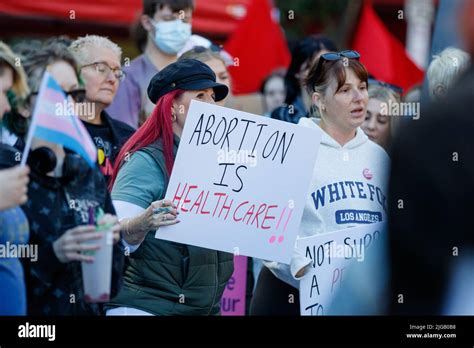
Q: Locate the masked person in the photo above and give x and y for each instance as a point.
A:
(168, 27)
(162, 277)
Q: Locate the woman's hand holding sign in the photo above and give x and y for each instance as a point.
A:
(164, 216)
(159, 213)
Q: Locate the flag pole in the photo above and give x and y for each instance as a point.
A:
(32, 127)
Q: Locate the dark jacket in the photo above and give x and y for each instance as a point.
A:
(54, 206)
(290, 113)
(432, 175)
(167, 278)
(109, 137)
(9, 156)
(120, 132)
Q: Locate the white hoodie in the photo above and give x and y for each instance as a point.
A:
(348, 188)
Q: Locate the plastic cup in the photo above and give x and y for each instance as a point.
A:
(97, 276)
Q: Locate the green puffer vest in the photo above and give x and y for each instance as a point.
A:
(167, 278)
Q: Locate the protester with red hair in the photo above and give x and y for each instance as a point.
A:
(162, 277)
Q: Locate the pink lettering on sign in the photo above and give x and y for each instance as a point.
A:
(191, 199)
(233, 299)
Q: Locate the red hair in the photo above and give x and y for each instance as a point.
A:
(158, 125)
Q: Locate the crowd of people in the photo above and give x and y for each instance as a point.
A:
(135, 117)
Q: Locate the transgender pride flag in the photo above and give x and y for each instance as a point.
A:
(64, 129)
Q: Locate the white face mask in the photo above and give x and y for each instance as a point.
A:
(171, 36)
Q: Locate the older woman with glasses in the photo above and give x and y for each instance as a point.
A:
(99, 61)
(350, 174)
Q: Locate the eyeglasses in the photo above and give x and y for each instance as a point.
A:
(394, 88)
(172, 17)
(104, 69)
(333, 56)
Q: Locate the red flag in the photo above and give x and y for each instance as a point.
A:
(258, 47)
(383, 55)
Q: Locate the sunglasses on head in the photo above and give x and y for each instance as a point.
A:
(350, 54)
(201, 49)
(333, 56)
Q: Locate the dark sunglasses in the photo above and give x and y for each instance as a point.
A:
(333, 56)
(394, 88)
(350, 54)
(201, 49)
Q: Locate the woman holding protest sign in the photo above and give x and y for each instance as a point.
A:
(214, 58)
(348, 187)
(162, 277)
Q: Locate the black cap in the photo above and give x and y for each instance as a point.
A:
(187, 74)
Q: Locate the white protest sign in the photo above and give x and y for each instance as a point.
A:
(331, 254)
(240, 182)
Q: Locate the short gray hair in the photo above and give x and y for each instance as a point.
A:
(81, 47)
(445, 68)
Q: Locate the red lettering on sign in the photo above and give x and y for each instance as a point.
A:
(268, 217)
(235, 211)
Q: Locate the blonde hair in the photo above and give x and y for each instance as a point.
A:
(10, 59)
(385, 94)
(82, 47)
(445, 68)
(202, 54)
